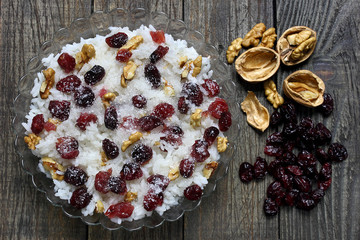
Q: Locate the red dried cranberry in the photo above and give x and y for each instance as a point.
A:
(117, 185)
(110, 148)
(152, 200)
(308, 138)
(66, 62)
(246, 172)
(68, 84)
(111, 118)
(270, 207)
(273, 166)
(158, 54)
(141, 154)
(148, 123)
(192, 93)
(173, 135)
(67, 147)
(288, 158)
(289, 130)
(80, 198)
(288, 112)
(123, 55)
(117, 40)
(49, 126)
(183, 107)
(152, 74)
(199, 150)
(158, 36)
(321, 156)
(275, 118)
(287, 181)
(317, 195)
(273, 150)
(217, 107)
(163, 110)
(159, 181)
(278, 172)
(139, 101)
(60, 109)
(94, 75)
(327, 106)
(324, 184)
(130, 122)
(120, 210)
(211, 87)
(186, 167)
(294, 170)
(193, 192)
(276, 191)
(37, 124)
(260, 168)
(210, 134)
(325, 172)
(75, 176)
(305, 201)
(84, 97)
(225, 121)
(306, 159)
(337, 152)
(305, 124)
(102, 92)
(85, 119)
(323, 134)
(291, 197)
(131, 171)
(302, 183)
(102, 181)
(276, 137)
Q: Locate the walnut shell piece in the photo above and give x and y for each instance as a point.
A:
(296, 45)
(304, 87)
(256, 114)
(257, 64)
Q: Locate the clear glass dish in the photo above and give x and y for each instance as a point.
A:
(98, 23)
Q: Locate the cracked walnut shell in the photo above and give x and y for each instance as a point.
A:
(305, 88)
(256, 114)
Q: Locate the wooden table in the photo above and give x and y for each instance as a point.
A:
(235, 209)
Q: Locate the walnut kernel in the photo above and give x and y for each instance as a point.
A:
(130, 196)
(48, 83)
(209, 169)
(221, 144)
(252, 38)
(268, 38)
(233, 50)
(87, 52)
(133, 43)
(99, 207)
(32, 140)
(195, 118)
(182, 61)
(56, 169)
(132, 139)
(197, 66)
(174, 173)
(129, 70)
(272, 95)
(169, 89)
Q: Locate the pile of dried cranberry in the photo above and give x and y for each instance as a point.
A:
(298, 182)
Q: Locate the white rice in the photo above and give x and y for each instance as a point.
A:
(90, 141)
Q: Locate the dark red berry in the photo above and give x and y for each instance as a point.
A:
(111, 118)
(225, 121)
(163, 110)
(60, 109)
(117, 185)
(289, 130)
(84, 97)
(148, 123)
(123, 55)
(327, 106)
(141, 154)
(139, 101)
(85, 119)
(276, 138)
(302, 183)
(193, 192)
(275, 118)
(270, 207)
(66, 62)
(49, 126)
(80, 198)
(321, 156)
(323, 135)
(276, 191)
(192, 93)
(75, 176)
(199, 150)
(211, 87)
(210, 134)
(152, 74)
(117, 40)
(317, 195)
(306, 159)
(325, 172)
(110, 148)
(186, 167)
(120, 210)
(158, 54)
(305, 124)
(183, 107)
(102, 181)
(260, 168)
(291, 197)
(158, 36)
(159, 181)
(68, 84)
(130, 122)
(217, 107)
(337, 152)
(294, 170)
(288, 112)
(152, 200)
(173, 135)
(273, 150)
(37, 124)
(94, 75)
(246, 172)
(324, 184)
(305, 201)
(131, 171)
(273, 166)
(67, 147)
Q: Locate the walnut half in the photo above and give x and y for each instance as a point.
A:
(272, 95)
(48, 83)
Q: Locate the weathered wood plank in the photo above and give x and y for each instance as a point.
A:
(25, 212)
(335, 61)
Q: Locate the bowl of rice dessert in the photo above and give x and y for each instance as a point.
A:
(126, 119)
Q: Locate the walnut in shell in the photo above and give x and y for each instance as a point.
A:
(305, 88)
(296, 45)
(256, 114)
(257, 64)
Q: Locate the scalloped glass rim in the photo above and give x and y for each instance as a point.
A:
(98, 23)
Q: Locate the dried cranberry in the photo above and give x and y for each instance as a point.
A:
(323, 134)
(289, 130)
(211, 87)
(273, 150)
(199, 150)
(68, 84)
(75, 176)
(246, 172)
(294, 170)
(80, 198)
(305, 201)
(275, 118)
(130, 122)
(308, 138)
(117, 185)
(159, 181)
(306, 159)
(276, 191)
(84, 97)
(131, 171)
(210, 134)
(270, 207)
(288, 112)
(158, 54)
(186, 167)
(317, 195)
(302, 183)
(110, 148)
(183, 107)
(158, 36)
(291, 197)
(225, 121)
(288, 158)
(327, 106)
(287, 181)
(117, 40)
(60, 109)
(193, 192)
(148, 123)
(260, 168)
(278, 172)
(123, 55)
(66, 62)
(173, 135)
(94, 75)
(325, 172)
(120, 210)
(337, 152)
(141, 154)
(305, 124)
(324, 184)
(152, 200)
(217, 107)
(111, 118)
(67, 147)
(192, 93)
(273, 166)
(139, 101)
(163, 110)
(102, 92)
(102, 181)
(85, 119)
(152, 74)
(321, 156)
(37, 124)
(48, 126)
(276, 137)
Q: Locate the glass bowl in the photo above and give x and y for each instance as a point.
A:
(98, 23)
